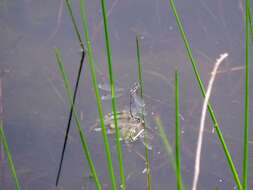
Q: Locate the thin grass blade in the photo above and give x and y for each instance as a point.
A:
(139, 64)
(78, 35)
(3, 140)
(169, 152)
(77, 120)
(73, 20)
(166, 143)
(70, 117)
(250, 22)
(247, 19)
(178, 134)
(83, 12)
(9, 156)
(112, 85)
(202, 88)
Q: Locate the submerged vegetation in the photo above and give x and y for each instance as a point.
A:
(130, 125)
(4, 142)
(9, 157)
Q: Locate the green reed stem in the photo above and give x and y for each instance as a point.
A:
(166, 143)
(202, 88)
(250, 22)
(246, 98)
(138, 55)
(78, 35)
(3, 139)
(77, 120)
(83, 12)
(178, 134)
(169, 151)
(112, 84)
(73, 20)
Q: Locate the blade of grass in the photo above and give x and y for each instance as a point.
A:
(169, 152)
(138, 55)
(167, 144)
(250, 22)
(178, 134)
(70, 117)
(2, 158)
(9, 157)
(77, 120)
(78, 35)
(83, 12)
(70, 12)
(246, 98)
(73, 20)
(202, 88)
(3, 139)
(112, 85)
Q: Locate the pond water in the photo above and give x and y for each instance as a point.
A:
(36, 110)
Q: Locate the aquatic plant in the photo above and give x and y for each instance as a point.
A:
(90, 57)
(4, 141)
(203, 92)
(7, 151)
(112, 84)
(72, 102)
(77, 120)
(178, 134)
(139, 64)
(175, 160)
(248, 27)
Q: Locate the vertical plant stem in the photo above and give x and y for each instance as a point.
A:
(166, 143)
(178, 134)
(246, 98)
(3, 140)
(70, 117)
(82, 137)
(169, 152)
(2, 169)
(83, 12)
(73, 20)
(138, 54)
(250, 22)
(2, 154)
(9, 156)
(112, 84)
(202, 88)
(77, 120)
(69, 8)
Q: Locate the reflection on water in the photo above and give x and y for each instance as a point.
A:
(35, 110)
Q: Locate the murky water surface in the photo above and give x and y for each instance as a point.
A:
(34, 99)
